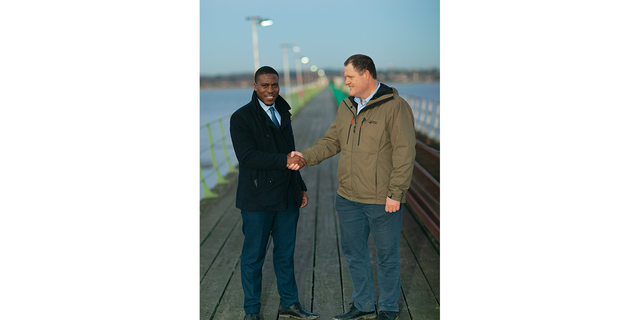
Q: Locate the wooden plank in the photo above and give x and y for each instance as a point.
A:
(213, 285)
(231, 304)
(425, 219)
(419, 298)
(426, 256)
(216, 208)
(305, 239)
(423, 200)
(428, 158)
(327, 296)
(426, 197)
(425, 179)
(220, 234)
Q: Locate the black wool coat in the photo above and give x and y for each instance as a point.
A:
(262, 149)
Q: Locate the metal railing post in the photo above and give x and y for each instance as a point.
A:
(425, 124)
(208, 194)
(221, 179)
(231, 168)
(436, 123)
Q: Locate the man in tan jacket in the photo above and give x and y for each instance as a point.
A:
(374, 134)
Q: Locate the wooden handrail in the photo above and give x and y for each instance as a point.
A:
(423, 197)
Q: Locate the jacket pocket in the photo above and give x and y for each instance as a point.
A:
(258, 178)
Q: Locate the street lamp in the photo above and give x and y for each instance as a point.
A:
(285, 60)
(304, 61)
(299, 79)
(254, 32)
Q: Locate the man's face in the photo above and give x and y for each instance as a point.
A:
(267, 88)
(357, 82)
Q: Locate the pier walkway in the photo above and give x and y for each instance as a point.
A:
(322, 275)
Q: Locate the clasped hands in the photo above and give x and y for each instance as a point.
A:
(295, 161)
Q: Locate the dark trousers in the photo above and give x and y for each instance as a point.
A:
(257, 226)
(357, 222)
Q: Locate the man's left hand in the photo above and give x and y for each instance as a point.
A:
(305, 200)
(391, 205)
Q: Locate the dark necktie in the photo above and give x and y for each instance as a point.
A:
(273, 117)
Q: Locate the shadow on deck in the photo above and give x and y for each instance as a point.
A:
(324, 284)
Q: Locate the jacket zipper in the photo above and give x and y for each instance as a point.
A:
(363, 119)
(349, 131)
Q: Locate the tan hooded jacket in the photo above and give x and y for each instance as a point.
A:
(377, 148)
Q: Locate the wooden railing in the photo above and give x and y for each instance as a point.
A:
(423, 197)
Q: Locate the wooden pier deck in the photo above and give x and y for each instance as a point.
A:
(322, 275)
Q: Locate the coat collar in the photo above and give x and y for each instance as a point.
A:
(281, 105)
(384, 94)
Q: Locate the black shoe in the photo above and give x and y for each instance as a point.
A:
(295, 311)
(253, 316)
(387, 315)
(355, 314)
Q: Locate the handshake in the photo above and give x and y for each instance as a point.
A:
(295, 161)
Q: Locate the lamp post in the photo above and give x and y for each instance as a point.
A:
(254, 32)
(304, 61)
(285, 60)
(299, 79)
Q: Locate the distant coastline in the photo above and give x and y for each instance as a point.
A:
(246, 80)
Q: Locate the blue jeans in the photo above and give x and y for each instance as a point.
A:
(357, 221)
(257, 226)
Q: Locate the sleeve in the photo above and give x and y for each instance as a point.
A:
(246, 147)
(403, 143)
(325, 148)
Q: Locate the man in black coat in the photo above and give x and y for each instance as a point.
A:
(269, 195)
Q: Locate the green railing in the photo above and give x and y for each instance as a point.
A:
(296, 101)
(224, 142)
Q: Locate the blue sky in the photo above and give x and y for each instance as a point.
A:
(402, 34)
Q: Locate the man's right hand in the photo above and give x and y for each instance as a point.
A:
(295, 160)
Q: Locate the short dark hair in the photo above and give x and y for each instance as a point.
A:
(361, 63)
(265, 70)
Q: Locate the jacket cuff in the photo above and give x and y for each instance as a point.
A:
(399, 196)
(283, 160)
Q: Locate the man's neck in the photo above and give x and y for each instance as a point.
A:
(372, 87)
